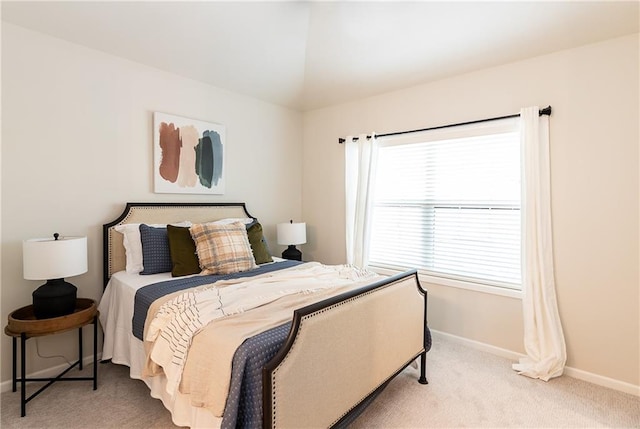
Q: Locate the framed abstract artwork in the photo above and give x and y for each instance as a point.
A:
(188, 155)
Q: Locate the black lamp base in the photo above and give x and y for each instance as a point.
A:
(55, 298)
(292, 253)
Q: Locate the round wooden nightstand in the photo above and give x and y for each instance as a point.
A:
(24, 325)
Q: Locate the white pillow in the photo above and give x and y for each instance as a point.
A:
(133, 244)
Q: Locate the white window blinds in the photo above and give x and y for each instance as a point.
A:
(448, 203)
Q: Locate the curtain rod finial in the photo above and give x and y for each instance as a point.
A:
(546, 111)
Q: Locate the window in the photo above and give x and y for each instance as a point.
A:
(448, 203)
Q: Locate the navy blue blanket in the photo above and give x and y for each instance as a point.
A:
(244, 403)
(145, 296)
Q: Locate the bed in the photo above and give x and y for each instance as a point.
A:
(332, 339)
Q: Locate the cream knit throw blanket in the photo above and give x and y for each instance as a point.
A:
(174, 321)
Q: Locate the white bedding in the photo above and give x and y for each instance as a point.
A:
(116, 313)
(122, 347)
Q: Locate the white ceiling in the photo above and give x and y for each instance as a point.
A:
(306, 55)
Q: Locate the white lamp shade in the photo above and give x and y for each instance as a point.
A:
(291, 233)
(46, 258)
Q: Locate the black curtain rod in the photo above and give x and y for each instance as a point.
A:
(545, 111)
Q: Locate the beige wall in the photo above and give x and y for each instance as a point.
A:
(77, 144)
(594, 178)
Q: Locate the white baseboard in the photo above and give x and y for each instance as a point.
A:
(590, 377)
(603, 381)
(509, 354)
(6, 386)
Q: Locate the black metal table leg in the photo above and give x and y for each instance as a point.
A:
(23, 400)
(95, 353)
(15, 362)
(80, 348)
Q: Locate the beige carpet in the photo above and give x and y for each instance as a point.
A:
(467, 388)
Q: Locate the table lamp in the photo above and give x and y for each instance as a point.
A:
(52, 259)
(291, 234)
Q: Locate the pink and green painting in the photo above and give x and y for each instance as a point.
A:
(188, 155)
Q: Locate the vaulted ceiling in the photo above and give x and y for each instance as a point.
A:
(306, 55)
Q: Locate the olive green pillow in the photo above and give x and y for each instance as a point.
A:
(183, 251)
(258, 243)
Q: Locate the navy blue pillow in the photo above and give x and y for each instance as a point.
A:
(156, 256)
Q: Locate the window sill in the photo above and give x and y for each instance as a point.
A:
(460, 284)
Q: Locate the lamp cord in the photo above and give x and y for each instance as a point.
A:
(49, 357)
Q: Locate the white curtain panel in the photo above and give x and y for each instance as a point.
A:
(360, 162)
(543, 338)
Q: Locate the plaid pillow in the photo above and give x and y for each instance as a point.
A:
(222, 249)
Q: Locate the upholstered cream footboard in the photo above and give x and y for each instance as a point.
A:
(341, 350)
